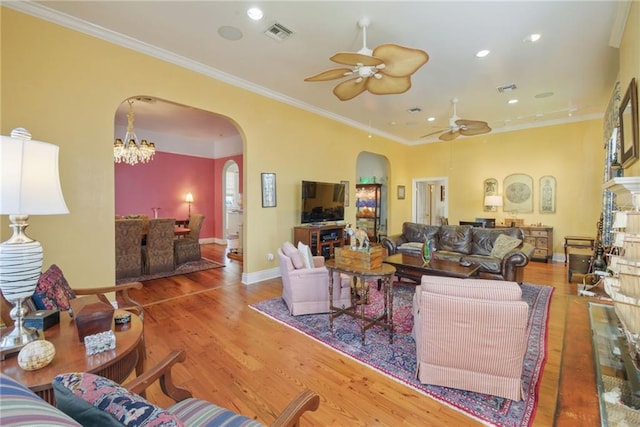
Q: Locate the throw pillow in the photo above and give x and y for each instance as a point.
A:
(503, 245)
(97, 401)
(305, 253)
(53, 291)
(293, 254)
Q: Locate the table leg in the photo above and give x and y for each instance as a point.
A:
(330, 270)
(364, 296)
(565, 252)
(389, 296)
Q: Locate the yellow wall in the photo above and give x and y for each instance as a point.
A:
(64, 87)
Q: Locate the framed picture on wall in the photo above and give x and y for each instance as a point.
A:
(629, 125)
(268, 190)
(518, 193)
(401, 191)
(547, 188)
(490, 186)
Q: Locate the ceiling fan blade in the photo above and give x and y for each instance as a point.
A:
(400, 61)
(471, 124)
(350, 88)
(388, 85)
(449, 136)
(353, 58)
(334, 73)
(432, 133)
(474, 131)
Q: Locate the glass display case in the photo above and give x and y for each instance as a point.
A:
(368, 199)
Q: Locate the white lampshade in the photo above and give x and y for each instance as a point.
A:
(189, 198)
(493, 200)
(29, 177)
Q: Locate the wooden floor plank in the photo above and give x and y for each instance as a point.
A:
(239, 359)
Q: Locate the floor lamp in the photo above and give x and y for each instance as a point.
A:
(29, 185)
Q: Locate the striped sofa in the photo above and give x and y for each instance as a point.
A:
(471, 334)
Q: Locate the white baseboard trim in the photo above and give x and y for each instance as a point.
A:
(259, 276)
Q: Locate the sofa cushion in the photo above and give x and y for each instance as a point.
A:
(294, 254)
(305, 254)
(202, 413)
(53, 291)
(97, 401)
(455, 238)
(492, 290)
(22, 407)
(503, 245)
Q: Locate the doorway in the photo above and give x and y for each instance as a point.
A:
(430, 204)
(232, 206)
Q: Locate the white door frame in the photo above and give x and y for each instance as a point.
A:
(441, 207)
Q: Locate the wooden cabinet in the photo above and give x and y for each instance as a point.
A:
(541, 238)
(368, 197)
(322, 239)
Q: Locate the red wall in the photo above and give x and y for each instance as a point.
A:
(164, 183)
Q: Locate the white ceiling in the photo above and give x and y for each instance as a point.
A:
(576, 58)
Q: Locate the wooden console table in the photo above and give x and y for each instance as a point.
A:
(383, 273)
(116, 364)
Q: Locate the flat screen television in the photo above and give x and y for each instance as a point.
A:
(322, 202)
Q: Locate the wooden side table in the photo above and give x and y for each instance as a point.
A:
(385, 274)
(577, 242)
(70, 356)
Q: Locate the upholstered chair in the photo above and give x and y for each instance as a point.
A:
(471, 334)
(128, 248)
(305, 290)
(188, 248)
(157, 254)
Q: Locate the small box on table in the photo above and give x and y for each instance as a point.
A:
(42, 319)
(368, 259)
(92, 314)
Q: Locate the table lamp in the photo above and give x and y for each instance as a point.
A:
(189, 199)
(493, 202)
(29, 185)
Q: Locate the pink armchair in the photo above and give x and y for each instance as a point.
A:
(306, 290)
(471, 334)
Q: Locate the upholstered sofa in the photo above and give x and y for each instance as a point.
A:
(501, 258)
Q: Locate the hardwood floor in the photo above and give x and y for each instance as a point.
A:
(239, 359)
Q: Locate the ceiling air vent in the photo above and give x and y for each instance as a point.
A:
(507, 88)
(278, 32)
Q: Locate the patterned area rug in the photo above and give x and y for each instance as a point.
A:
(189, 267)
(398, 360)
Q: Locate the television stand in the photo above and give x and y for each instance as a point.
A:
(322, 239)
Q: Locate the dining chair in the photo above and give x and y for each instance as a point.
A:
(157, 254)
(128, 248)
(188, 248)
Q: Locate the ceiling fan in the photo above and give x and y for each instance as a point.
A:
(458, 126)
(385, 70)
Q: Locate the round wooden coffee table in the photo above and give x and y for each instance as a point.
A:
(70, 356)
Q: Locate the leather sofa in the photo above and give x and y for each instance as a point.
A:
(465, 243)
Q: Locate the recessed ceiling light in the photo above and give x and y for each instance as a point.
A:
(483, 53)
(255, 13)
(513, 101)
(532, 38)
(431, 119)
(230, 33)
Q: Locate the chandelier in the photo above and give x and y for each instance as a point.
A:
(132, 152)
